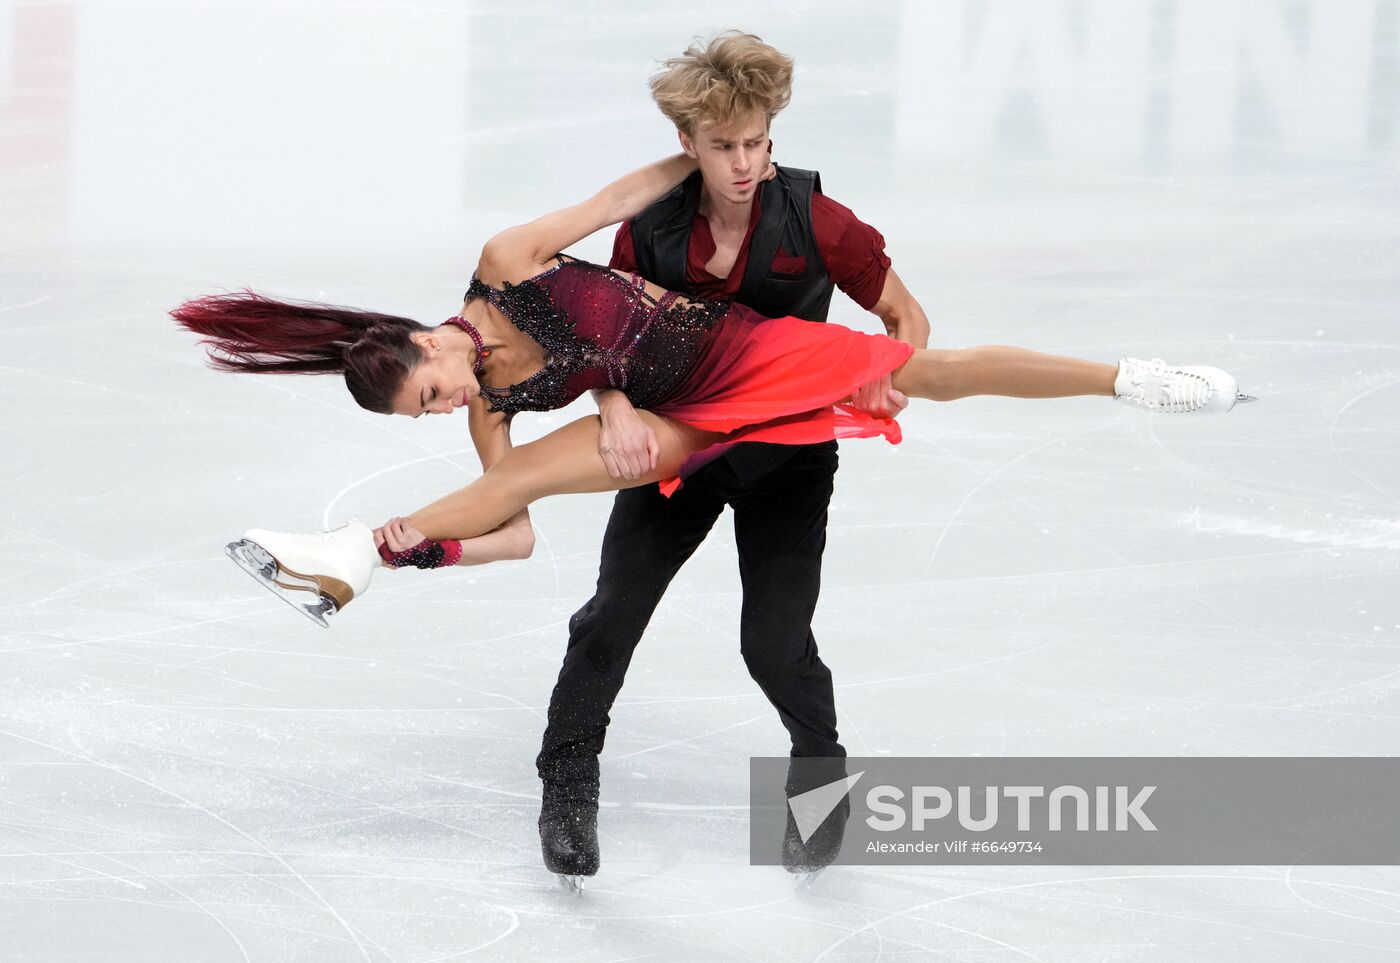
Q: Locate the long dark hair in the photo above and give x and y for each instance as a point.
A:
(248, 332)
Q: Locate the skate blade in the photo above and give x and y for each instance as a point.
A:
(1241, 397)
(805, 881)
(301, 592)
(573, 884)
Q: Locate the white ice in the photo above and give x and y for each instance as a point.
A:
(190, 772)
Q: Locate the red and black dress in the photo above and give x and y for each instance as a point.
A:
(711, 364)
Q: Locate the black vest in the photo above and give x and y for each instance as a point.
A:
(661, 239)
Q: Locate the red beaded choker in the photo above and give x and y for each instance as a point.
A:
(482, 352)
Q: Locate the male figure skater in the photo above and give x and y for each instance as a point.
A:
(779, 247)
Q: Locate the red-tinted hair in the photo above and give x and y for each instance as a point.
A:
(251, 333)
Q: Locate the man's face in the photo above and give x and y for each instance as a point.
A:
(732, 157)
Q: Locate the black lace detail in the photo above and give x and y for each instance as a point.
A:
(530, 309)
(643, 346)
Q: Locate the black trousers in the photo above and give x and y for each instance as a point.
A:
(780, 529)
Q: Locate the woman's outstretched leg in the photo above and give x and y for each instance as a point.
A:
(1019, 373)
(947, 375)
(563, 462)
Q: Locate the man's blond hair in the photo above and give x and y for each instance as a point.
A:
(719, 82)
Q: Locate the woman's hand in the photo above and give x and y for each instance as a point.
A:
(399, 534)
(626, 443)
(772, 171)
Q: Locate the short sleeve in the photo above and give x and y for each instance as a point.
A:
(624, 253)
(853, 251)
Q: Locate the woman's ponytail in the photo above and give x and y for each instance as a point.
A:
(247, 332)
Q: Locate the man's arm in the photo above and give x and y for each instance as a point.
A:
(901, 313)
(904, 319)
(854, 254)
(626, 443)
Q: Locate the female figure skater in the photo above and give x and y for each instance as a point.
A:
(539, 328)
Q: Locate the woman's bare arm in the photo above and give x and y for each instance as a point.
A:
(490, 431)
(519, 252)
(515, 537)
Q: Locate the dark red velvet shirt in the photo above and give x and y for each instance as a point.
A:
(853, 252)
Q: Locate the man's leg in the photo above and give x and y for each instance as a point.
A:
(648, 538)
(780, 528)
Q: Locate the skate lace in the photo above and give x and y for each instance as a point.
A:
(1173, 390)
(320, 536)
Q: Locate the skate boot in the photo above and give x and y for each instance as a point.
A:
(569, 837)
(1157, 387)
(806, 859)
(317, 575)
(808, 776)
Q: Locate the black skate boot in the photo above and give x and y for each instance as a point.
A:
(807, 858)
(569, 835)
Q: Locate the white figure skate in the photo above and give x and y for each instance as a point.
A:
(1156, 386)
(318, 575)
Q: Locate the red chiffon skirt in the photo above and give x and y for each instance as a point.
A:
(780, 380)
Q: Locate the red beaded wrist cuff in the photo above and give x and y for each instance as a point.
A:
(429, 553)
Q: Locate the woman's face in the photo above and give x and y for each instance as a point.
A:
(443, 381)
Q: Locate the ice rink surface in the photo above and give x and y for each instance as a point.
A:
(189, 772)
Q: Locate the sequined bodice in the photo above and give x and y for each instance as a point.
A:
(599, 330)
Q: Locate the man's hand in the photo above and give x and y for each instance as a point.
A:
(879, 398)
(626, 443)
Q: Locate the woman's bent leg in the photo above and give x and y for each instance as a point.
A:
(946, 375)
(562, 462)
